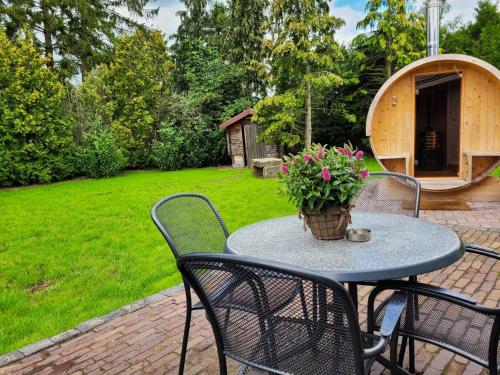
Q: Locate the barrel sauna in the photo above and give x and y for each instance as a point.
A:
(438, 119)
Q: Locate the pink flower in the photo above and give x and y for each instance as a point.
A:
(307, 157)
(320, 154)
(326, 174)
(359, 155)
(363, 174)
(349, 153)
(284, 169)
(341, 151)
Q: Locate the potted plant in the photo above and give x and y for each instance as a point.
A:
(321, 182)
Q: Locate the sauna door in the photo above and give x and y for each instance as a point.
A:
(437, 125)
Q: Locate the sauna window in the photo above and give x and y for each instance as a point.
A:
(437, 125)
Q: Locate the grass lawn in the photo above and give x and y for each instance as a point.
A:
(78, 249)
(75, 250)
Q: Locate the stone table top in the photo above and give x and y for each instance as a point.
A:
(400, 246)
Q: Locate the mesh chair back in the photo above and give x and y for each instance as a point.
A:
(388, 192)
(301, 338)
(190, 224)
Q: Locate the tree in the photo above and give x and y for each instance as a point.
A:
(234, 29)
(214, 84)
(395, 29)
(480, 38)
(195, 25)
(125, 94)
(77, 32)
(342, 109)
(245, 34)
(139, 72)
(35, 135)
(302, 52)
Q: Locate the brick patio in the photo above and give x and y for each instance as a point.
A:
(148, 340)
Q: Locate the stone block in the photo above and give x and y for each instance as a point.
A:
(270, 172)
(266, 167)
(266, 162)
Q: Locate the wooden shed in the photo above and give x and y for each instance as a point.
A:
(242, 144)
(438, 119)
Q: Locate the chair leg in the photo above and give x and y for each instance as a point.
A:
(402, 351)
(303, 302)
(411, 355)
(187, 325)
(222, 363)
(393, 356)
(411, 342)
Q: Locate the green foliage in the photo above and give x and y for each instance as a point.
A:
(341, 110)
(280, 118)
(321, 178)
(479, 38)
(231, 31)
(88, 101)
(302, 36)
(398, 32)
(186, 139)
(125, 92)
(100, 156)
(302, 54)
(35, 134)
(214, 84)
(245, 34)
(73, 35)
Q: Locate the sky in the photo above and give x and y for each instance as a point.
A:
(350, 10)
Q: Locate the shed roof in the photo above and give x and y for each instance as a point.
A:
(233, 120)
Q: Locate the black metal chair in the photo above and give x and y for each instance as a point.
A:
(393, 193)
(451, 320)
(294, 340)
(190, 223)
(389, 192)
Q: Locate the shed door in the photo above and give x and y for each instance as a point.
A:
(253, 149)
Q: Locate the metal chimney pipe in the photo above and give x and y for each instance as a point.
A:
(433, 9)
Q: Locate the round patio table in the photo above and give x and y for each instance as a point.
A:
(400, 246)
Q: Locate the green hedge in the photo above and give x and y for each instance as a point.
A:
(36, 144)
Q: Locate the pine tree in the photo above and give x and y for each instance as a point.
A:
(78, 33)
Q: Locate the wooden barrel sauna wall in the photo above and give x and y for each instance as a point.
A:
(438, 119)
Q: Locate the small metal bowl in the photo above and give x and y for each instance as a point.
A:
(358, 235)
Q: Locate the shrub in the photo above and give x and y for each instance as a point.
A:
(186, 139)
(100, 156)
(36, 144)
(168, 154)
(187, 147)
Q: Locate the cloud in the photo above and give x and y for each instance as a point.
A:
(458, 8)
(354, 12)
(351, 11)
(351, 17)
(167, 20)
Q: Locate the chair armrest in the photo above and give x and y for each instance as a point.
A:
(427, 289)
(393, 312)
(476, 249)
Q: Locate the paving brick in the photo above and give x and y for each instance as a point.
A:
(145, 337)
(441, 360)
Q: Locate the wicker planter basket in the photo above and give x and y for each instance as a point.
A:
(328, 225)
